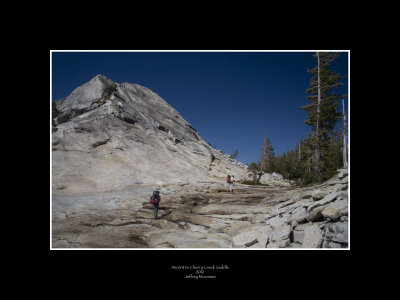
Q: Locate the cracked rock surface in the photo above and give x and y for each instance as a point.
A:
(197, 217)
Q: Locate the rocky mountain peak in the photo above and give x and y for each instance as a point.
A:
(92, 90)
(111, 136)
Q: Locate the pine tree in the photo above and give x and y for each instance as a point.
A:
(332, 155)
(322, 111)
(253, 168)
(267, 158)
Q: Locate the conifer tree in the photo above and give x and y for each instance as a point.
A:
(332, 155)
(322, 111)
(267, 158)
(253, 168)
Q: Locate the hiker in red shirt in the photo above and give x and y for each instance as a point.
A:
(229, 180)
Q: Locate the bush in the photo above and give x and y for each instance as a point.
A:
(98, 101)
(54, 113)
(107, 91)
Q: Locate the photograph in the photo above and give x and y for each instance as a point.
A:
(171, 150)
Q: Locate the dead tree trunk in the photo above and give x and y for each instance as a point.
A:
(317, 141)
(254, 176)
(300, 150)
(262, 159)
(344, 137)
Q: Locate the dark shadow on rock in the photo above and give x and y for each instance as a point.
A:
(164, 215)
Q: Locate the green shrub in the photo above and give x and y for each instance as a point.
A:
(101, 100)
(54, 113)
(107, 91)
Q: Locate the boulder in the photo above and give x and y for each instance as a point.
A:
(274, 178)
(276, 221)
(299, 215)
(336, 232)
(315, 214)
(277, 176)
(294, 224)
(318, 194)
(245, 239)
(294, 245)
(298, 236)
(343, 194)
(330, 244)
(332, 210)
(284, 211)
(250, 238)
(342, 173)
(327, 199)
(344, 212)
(303, 226)
(312, 237)
(307, 194)
(280, 232)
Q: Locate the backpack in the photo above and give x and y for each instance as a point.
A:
(155, 199)
(228, 179)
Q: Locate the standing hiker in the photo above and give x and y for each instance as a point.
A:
(155, 200)
(229, 180)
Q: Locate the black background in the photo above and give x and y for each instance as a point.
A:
(116, 271)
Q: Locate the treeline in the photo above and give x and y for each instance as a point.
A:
(297, 164)
(317, 157)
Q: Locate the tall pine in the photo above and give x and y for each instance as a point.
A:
(267, 158)
(323, 114)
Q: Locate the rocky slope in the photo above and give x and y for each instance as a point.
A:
(203, 216)
(128, 137)
(254, 217)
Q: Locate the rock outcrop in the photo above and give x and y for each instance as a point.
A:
(111, 136)
(318, 216)
(197, 216)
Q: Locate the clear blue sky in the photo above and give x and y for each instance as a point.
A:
(233, 99)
